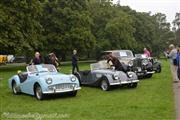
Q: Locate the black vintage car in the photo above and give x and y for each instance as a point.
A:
(155, 63)
(141, 66)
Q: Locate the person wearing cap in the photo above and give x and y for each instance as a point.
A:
(75, 62)
(37, 59)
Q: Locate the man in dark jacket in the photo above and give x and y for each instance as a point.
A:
(116, 63)
(74, 62)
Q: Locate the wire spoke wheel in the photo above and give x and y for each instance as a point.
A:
(15, 88)
(105, 85)
(38, 93)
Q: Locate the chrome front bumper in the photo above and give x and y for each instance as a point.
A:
(61, 91)
(124, 82)
(144, 73)
(150, 72)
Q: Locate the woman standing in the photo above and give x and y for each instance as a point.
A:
(54, 60)
(146, 52)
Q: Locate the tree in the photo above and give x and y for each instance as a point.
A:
(67, 26)
(176, 22)
(176, 27)
(178, 36)
(166, 36)
(89, 26)
(20, 30)
(112, 27)
(119, 31)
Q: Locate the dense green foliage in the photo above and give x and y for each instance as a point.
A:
(176, 23)
(20, 30)
(89, 26)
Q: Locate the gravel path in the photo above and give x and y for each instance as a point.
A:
(176, 86)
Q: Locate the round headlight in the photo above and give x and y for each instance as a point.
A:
(73, 78)
(130, 63)
(144, 62)
(115, 77)
(130, 75)
(49, 81)
(155, 60)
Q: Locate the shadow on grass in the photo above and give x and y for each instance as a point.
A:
(47, 97)
(64, 96)
(113, 88)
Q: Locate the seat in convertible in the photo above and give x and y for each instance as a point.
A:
(23, 76)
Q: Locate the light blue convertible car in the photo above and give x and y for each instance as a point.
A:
(40, 80)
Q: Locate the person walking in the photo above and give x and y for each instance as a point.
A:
(74, 62)
(37, 59)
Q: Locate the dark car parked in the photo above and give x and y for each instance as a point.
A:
(19, 59)
(155, 63)
(141, 66)
(103, 76)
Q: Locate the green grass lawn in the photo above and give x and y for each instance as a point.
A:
(152, 100)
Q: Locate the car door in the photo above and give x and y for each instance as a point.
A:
(27, 85)
(88, 78)
(93, 78)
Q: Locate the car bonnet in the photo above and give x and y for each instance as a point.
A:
(57, 77)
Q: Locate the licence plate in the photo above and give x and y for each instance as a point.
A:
(139, 69)
(65, 86)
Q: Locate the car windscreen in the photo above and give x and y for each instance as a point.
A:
(99, 65)
(140, 56)
(49, 68)
(41, 68)
(32, 69)
(123, 54)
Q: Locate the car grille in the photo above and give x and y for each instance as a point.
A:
(137, 63)
(152, 61)
(63, 86)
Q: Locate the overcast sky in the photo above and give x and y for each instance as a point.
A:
(168, 7)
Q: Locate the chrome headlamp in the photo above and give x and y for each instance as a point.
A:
(155, 60)
(73, 78)
(49, 81)
(115, 77)
(145, 62)
(130, 63)
(130, 75)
